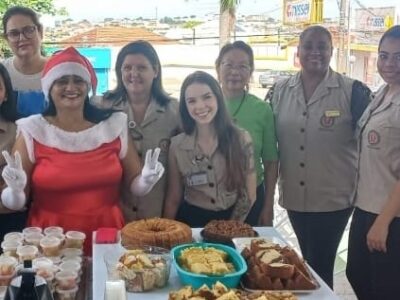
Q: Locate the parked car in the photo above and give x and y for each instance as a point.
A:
(269, 77)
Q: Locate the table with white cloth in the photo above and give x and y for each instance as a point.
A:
(100, 274)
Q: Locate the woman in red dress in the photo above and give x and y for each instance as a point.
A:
(74, 157)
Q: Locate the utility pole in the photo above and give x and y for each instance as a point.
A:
(343, 36)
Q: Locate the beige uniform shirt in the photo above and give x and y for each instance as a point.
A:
(7, 139)
(317, 147)
(204, 178)
(379, 168)
(158, 126)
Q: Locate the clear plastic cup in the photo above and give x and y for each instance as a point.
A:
(44, 267)
(14, 236)
(55, 259)
(53, 230)
(71, 266)
(50, 246)
(66, 294)
(71, 252)
(28, 230)
(74, 239)
(60, 236)
(6, 279)
(27, 252)
(77, 259)
(7, 265)
(66, 280)
(33, 238)
(10, 247)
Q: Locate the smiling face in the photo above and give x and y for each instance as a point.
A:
(315, 52)
(201, 103)
(388, 63)
(234, 72)
(69, 92)
(137, 74)
(23, 46)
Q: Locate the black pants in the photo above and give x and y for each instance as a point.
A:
(254, 214)
(373, 275)
(12, 222)
(196, 216)
(319, 235)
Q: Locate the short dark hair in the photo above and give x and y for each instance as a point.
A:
(240, 45)
(8, 109)
(316, 28)
(392, 32)
(21, 10)
(146, 49)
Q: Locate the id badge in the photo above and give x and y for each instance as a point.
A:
(199, 178)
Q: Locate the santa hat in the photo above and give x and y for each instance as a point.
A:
(67, 62)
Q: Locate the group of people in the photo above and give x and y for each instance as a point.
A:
(83, 161)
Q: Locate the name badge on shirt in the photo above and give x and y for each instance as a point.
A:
(332, 113)
(199, 178)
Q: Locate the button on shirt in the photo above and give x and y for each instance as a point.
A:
(318, 151)
(379, 167)
(212, 194)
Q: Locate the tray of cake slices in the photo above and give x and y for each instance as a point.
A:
(272, 265)
(57, 256)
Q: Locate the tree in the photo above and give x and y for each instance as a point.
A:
(40, 6)
(227, 19)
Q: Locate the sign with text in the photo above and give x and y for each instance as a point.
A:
(375, 19)
(297, 11)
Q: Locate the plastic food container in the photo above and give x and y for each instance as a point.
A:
(71, 252)
(142, 268)
(14, 236)
(28, 230)
(10, 247)
(77, 259)
(33, 238)
(66, 294)
(50, 246)
(71, 266)
(230, 280)
(66, 280)
(44, 267)
(27, 252)
(53, 230)
(74, 239)
(7, 265)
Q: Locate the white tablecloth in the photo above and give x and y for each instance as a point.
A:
(100, 274)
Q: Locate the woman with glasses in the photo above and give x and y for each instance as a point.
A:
(152, 117)
(211, 163)
(23, 33)
(235, 65)
(373, 263)
(316, 111)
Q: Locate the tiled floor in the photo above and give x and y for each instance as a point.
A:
(342, 287)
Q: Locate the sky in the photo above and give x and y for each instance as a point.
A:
(99, 9)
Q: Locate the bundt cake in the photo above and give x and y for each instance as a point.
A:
(158, 232)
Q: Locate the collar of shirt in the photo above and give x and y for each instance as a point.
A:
(330, 80)
(189, 143)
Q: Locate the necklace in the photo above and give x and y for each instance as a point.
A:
(238, 108)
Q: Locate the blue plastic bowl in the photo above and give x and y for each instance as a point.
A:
(230, 280)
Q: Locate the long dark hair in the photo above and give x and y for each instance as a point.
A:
(90, 112)
(392, 32)
(146, 49)
(8, 109)
(229, 141)
(21, 10)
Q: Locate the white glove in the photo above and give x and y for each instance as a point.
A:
(152, 171)
(13, 196)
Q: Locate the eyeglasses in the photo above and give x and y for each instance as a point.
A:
(243, 68)
(14, 34)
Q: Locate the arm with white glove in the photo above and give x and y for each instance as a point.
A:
(13, 196)
(152, 171)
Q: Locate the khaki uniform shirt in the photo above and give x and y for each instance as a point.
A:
(379, 167)
(317, 147)
(203, 177)
(7, 139)
(158, 126)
